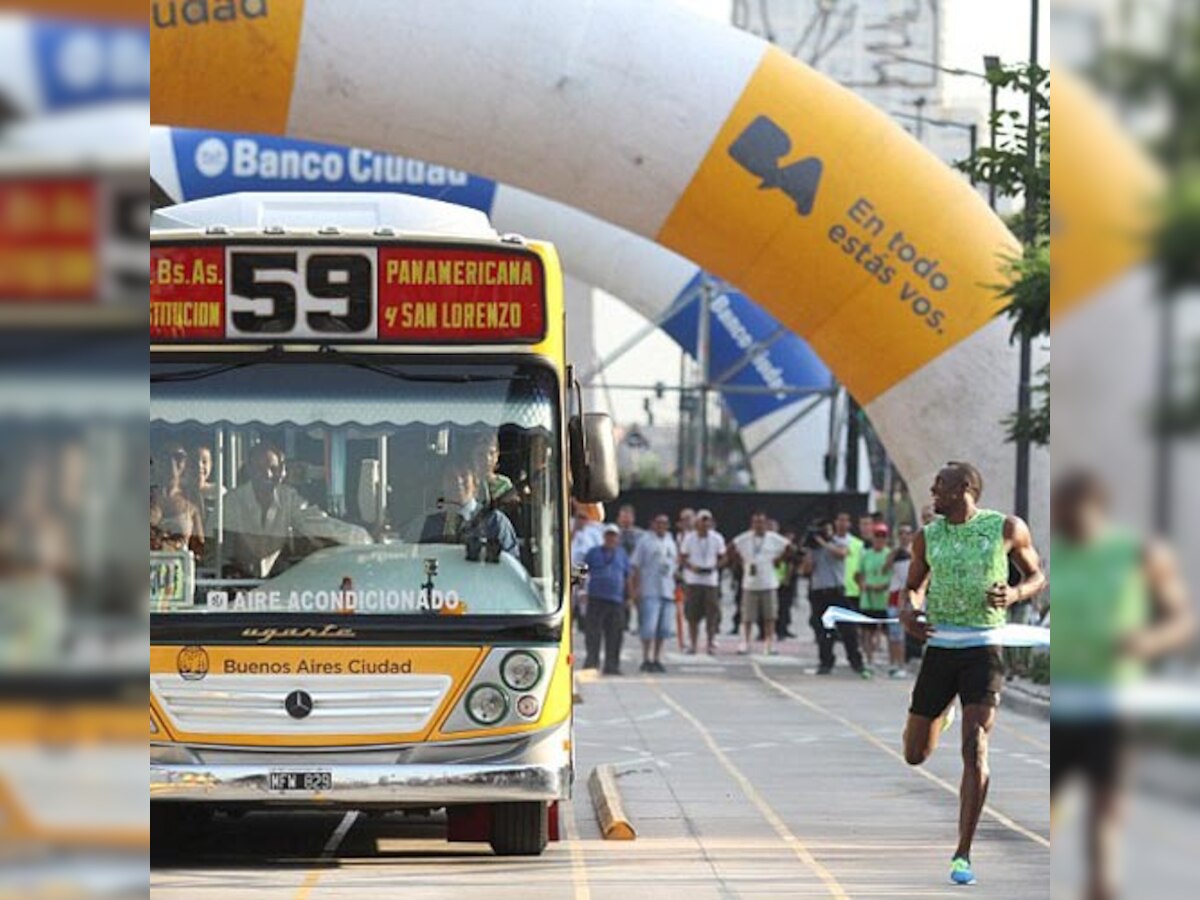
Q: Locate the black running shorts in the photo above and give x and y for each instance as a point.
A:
(975, 674)
(1094, 750)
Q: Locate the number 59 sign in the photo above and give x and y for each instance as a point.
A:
(272, 292)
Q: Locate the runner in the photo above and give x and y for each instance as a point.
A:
(965, 554)
(1119, 604)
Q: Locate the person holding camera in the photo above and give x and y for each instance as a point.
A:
(701, 555)
(828, 546)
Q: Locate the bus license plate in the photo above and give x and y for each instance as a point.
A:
(301, 781)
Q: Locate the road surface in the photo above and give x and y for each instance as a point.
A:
(745, 777)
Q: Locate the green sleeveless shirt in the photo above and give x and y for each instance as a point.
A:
(964, 561)
(1099, 595)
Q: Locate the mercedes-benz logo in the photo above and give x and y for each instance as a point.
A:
(298, 704)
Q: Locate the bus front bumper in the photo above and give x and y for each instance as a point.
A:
(398, 785)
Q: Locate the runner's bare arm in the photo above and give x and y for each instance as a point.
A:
(1022, 552)
(1174, 624)
(914, 592)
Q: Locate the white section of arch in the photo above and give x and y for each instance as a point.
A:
(661, 107)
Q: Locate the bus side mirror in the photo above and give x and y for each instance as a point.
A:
(593, 449)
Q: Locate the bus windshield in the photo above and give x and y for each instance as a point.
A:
(345, 484)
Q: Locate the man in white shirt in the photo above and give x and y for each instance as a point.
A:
(263, 514)
(586, 533)
(760, 551)
(701, 555)
(655, 561)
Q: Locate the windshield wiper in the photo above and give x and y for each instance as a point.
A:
(200, 373)
(407, 375)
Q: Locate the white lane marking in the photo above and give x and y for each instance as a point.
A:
(660, 713)
(924, 773)
(339, 834)
(331, 845)
(579, 879)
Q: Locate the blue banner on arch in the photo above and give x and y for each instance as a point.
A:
(84, 64)
(212, 163)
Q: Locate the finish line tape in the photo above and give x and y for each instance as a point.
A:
(1006, 635)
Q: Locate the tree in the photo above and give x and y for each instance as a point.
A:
(1169, 83)
(1027, 293)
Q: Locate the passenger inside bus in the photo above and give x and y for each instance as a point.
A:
(461, 514)
(496, 489)
(264, 516)
(175, 519)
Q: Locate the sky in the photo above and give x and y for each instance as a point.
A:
(973, 28)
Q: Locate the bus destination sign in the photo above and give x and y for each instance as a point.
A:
(393, 293)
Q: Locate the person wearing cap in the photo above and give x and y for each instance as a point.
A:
(608, 590)
(874, 579)
(701, 556)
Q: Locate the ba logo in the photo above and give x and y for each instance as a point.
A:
(212, 157)
(759, 149)
(192, 663)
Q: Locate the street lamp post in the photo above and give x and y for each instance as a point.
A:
(1024, 391)
(919, 103)
(992, 69)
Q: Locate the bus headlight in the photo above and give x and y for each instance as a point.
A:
(521, 670)
(487, 704)
(527, 706)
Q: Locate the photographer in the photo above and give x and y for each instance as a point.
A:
(828, 547)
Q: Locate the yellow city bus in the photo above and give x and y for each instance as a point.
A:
(361, 453)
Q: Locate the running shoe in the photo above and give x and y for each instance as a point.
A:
(960, 871)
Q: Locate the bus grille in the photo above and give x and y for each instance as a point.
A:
(255, 704)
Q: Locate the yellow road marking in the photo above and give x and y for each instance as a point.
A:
(780, 827)
(330, 848)
(871, 739)
(579, 880)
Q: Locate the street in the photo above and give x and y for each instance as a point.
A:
(744, 776)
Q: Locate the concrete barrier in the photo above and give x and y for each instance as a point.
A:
(610, 812)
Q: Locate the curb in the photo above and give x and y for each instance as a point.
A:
(1026, 703)
(610, 813)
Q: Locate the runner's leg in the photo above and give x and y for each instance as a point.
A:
(978, 721)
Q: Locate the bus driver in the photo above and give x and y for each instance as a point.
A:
(263, 514)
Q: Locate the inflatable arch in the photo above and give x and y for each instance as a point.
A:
(749, 348)
(693, 134)
(55, 65)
